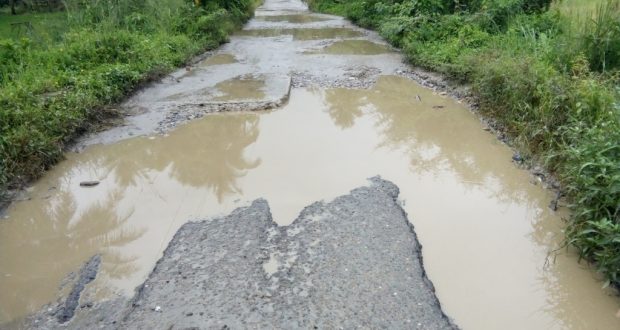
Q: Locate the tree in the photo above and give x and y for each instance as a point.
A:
(13, 12)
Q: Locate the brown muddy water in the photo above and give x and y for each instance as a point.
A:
(485, 225)
(303, 34)
(241, 88)
(293, 18)
(219, 59)
(353, 47)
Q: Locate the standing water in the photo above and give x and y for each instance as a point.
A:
(485, 225)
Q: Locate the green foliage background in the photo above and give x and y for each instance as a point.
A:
(59, 78)
(547, 73)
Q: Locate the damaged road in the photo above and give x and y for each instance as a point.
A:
(298, 107)
(353, 262)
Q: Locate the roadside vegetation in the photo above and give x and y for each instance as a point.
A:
(60, 71)
(547, 71)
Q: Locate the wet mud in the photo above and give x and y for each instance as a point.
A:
(348, 117)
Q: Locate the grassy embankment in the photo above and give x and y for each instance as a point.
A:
(59, 77)
(548, 72)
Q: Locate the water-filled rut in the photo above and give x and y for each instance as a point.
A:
(485, 224)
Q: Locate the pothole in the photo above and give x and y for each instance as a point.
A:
(219, 59)
(352, 47)
(303, 34)
(295, 19)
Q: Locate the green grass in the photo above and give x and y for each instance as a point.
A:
(578, 8)
(55, 86)
(44, 25)
(548, 72)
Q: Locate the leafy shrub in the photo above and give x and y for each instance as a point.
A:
(593, 177)
(11, 53)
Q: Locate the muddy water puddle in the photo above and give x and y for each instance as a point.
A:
(242, 88)
(249, 87)
(485, 228)
(303, 34)
(218, 59)
(293, 18)
(353, 47)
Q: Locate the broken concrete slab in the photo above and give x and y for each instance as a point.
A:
(353, 262)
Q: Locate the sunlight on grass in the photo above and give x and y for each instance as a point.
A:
(578, 8)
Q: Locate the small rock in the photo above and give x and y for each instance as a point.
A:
(189, 314)
(517, 158)
(157, 308)
(89, 183)
(438, 107)
(553, 205)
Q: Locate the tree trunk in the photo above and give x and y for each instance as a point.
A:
(13, 12)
